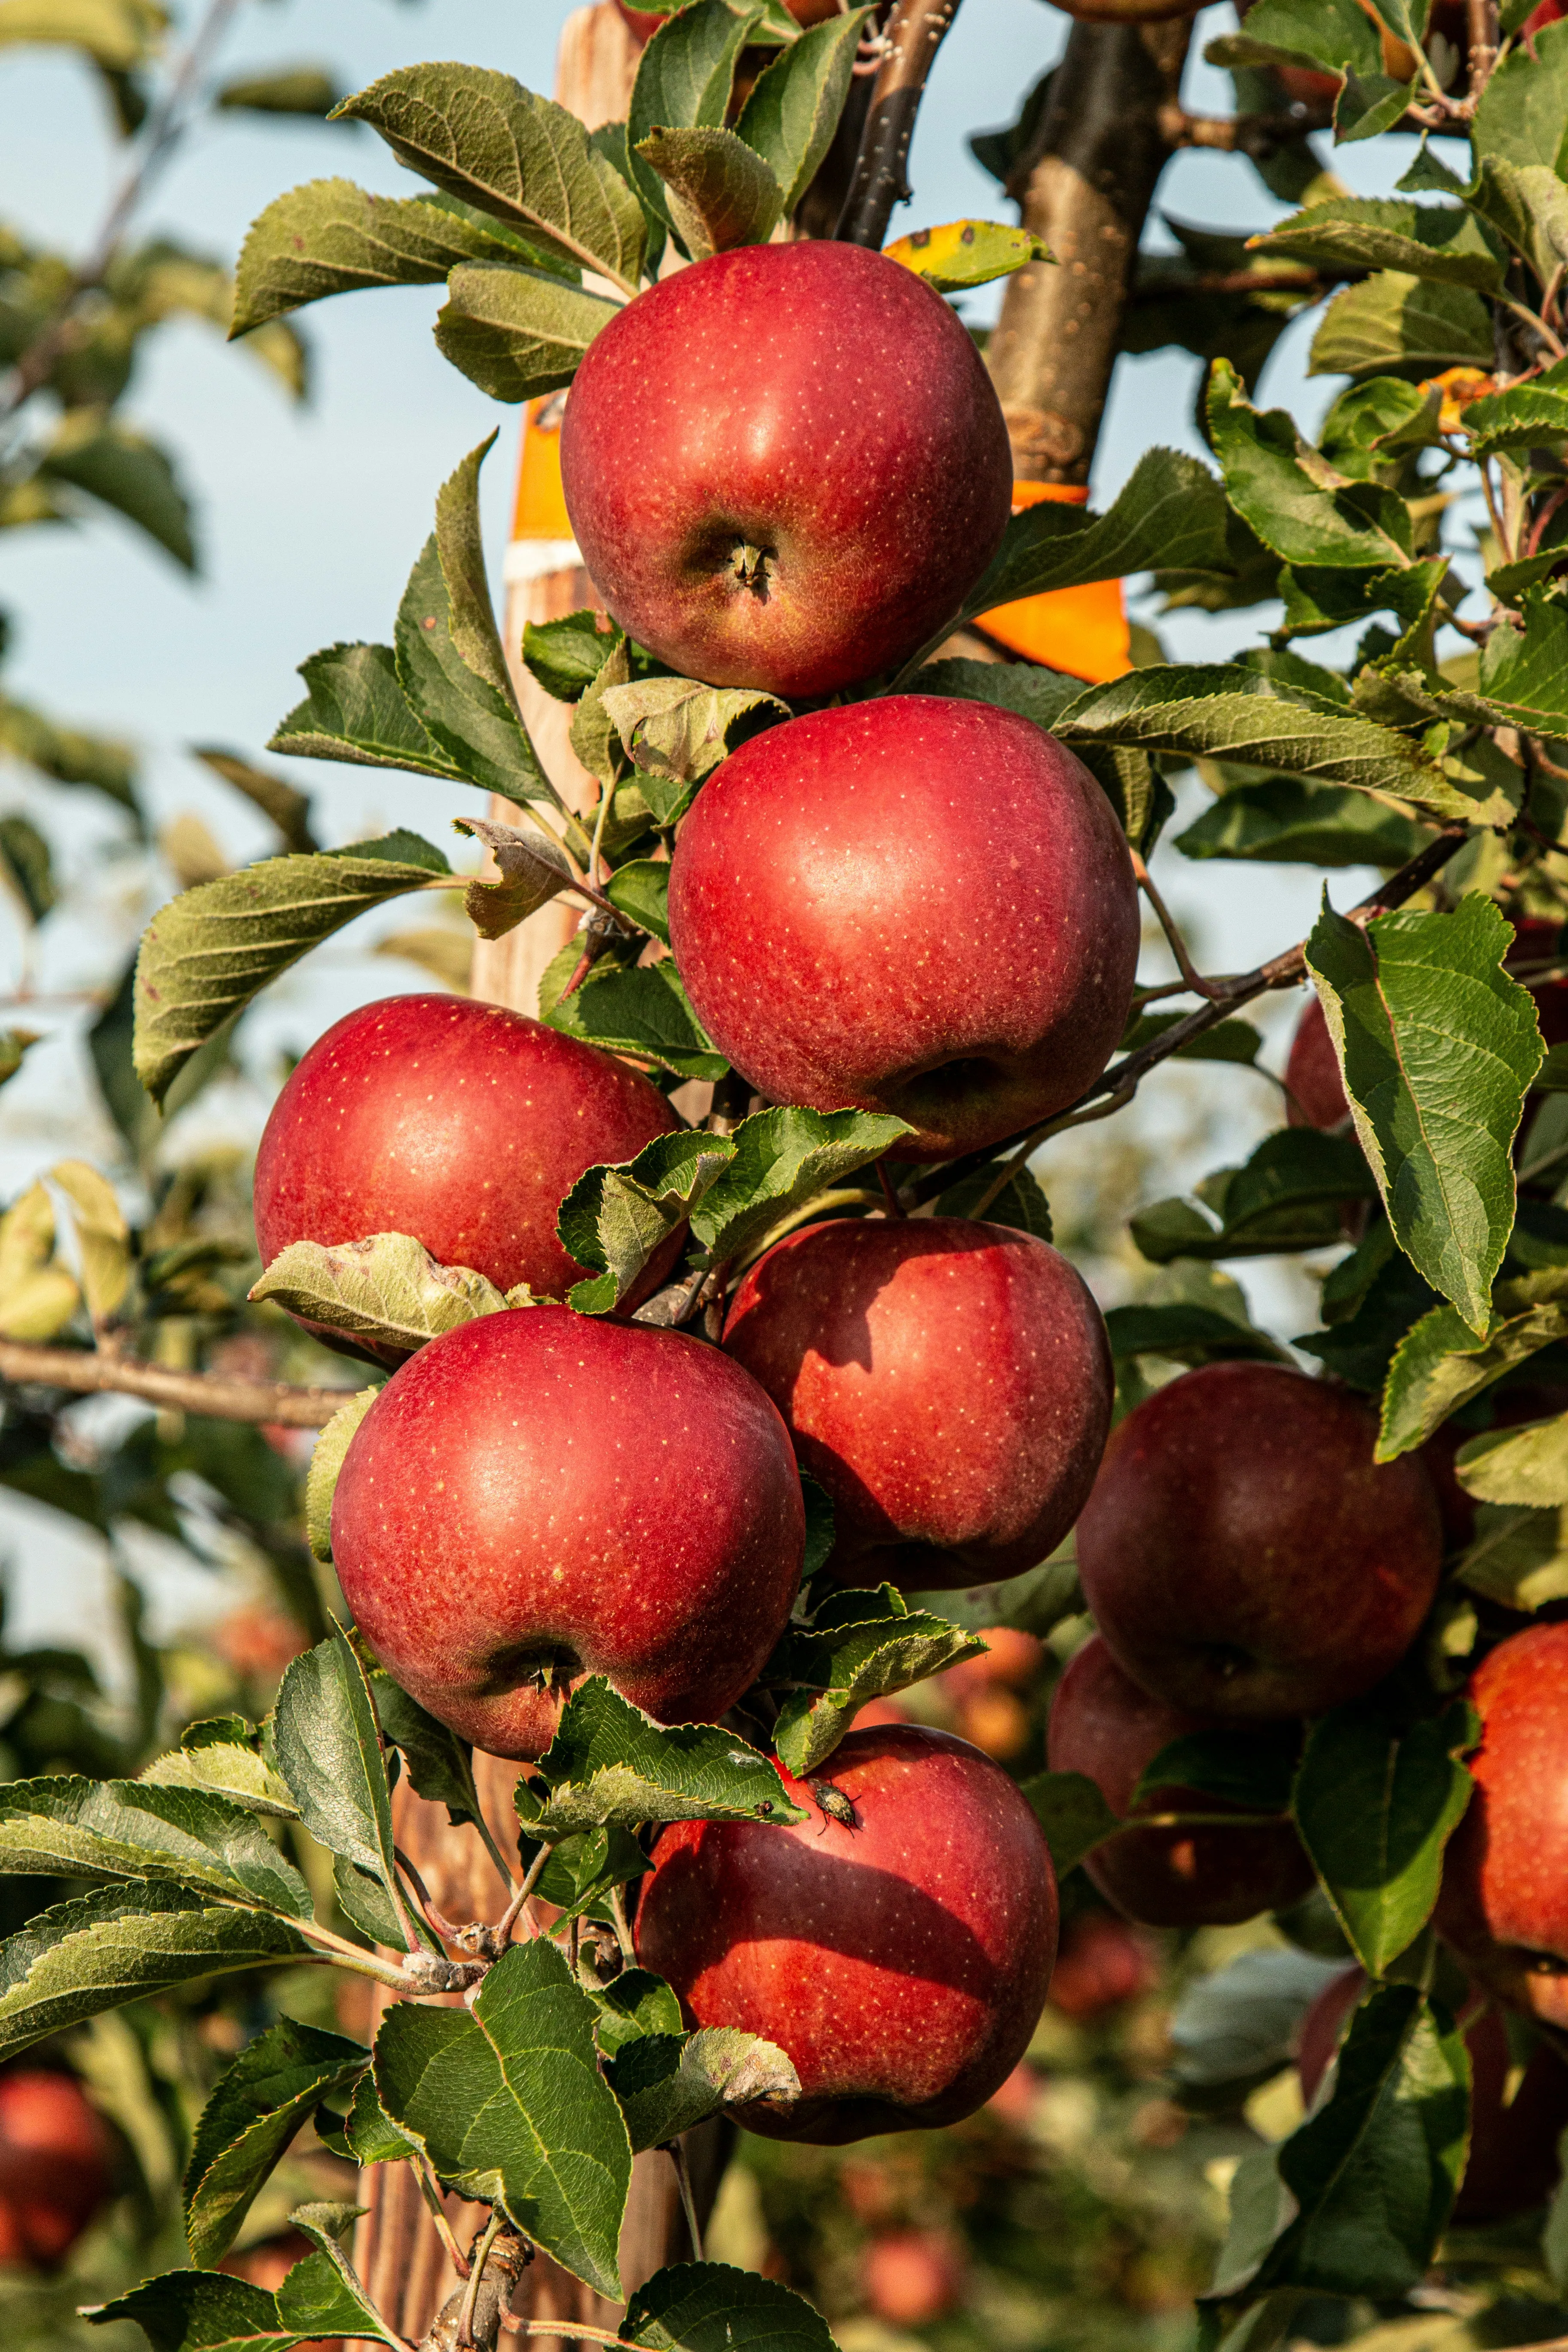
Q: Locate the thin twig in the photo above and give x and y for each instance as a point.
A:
(478, 2259)
(688, 2202)
(436, 1921)
(575, 2330)
(509, 1917)
(1174, 940)
(617, 1903)
(894, 1206)
(220, 1397)
(916, 30)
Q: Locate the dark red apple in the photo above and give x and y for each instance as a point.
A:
(1549, 12)
(1317, 1091)
(948, 1382)
(56, 2166)
(901, 1960)
(1516, 2118)
(786, 466)
(1244, 1555)
(1103, 1962)
(1504, 1900)
(462, 1124)
(1105, 1725)
(1127, 12)
(541, 1496)
(914, 905)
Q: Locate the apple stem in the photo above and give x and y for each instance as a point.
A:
(430, 2190)
(617, 1903)
(894, 1206)
(676, 2152)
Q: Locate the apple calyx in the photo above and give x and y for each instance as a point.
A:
(753, 567)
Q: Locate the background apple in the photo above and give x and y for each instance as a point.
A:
(1243, 1554)
(56, 2165)
(909, 2277)
(1102, 1963)
(539, 1496)
(903, 1962)
(1504, 1900)
(1104, 1724)
(458, 1122)
(817, 473)
(1317, 1091)
(837, 910)
(948, 1382)
(1512, 2162)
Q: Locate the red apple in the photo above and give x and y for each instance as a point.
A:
(1244, 1555)
(1549, 12)
(1128, 12)
(910, 2277)
(541, 1496)
(1104, 1725)
(1504, 1900)
(462, 1124)
(914, 905)
(1317, 1091)
(1103, 1962)
(1512, 2162)
(786, 466)
(901, 1961)
(948, 1382)
(56, 2166)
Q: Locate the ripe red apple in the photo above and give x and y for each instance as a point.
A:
(1243, 1554)
(1102, 1963)
(902, 1962)
(1317, 1091)
(1504, 1900)
(949, 1384)
(1549, 12)
(56, 2166)
(914, 905)
(785, 467)
(541, 1496)
(910, 2277)
(1104, 1725)
(1512, 2163)
(1128, 12)
(462, 1124)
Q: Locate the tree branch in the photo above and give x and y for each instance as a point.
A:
(916, 30)
(90, 1373)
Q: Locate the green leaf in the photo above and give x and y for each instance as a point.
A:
(793, 109)
(1289, 1195)
(321, 2295)
(482, 137)
(123, 469)
(581, 1873)
(609, 1764)
(708, 2308)
(640, 891)
(356, 711)
(1394, 320)
(1375, 1804)
(635, 2004)
(1523, 676)
(332, 237)
(1527, 205)
(1528, 413)
(517, 332)
(1224, 712)
(1441, 1362)
(205, 2311)
(1333, 34)
(1296, 821)
(220, 1757)
(1438, 1046)
(1254, 1767)
(1020, 1202)
(294, 89)
(1527, 1465)
(720, 194)
(1169, 515)
(369, 2131)
(212, 949)
(326, 1460)
(508, 2103)
(1444, 244)
(674, 732)
(126, 1943)
(865, 1647)
(1373, 2172)
(1523, 114)
(781, 1159)
(965, 253)
(440, 1765)
(1186, 1334)
(1296, 503)
(567, 656)
(1228, 1041)
(255, 2107)
(1073, 1814)
(328, 1751)
(644, 1011)
(1238, 2024)
(386, 1290)
(63, 1827)
(116, 35)
(667, 2083)
(683, 83)
(1519, 1556)
(614, 1218)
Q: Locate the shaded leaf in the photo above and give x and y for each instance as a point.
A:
(533, 871)
(667, 2083)
(1297, 821)
(782, 1158)
(64, 1827)
(826, 1673)
(640, 891)
(708, 2308)
(1444, 244)
(683, 82)
(1073, 1814)
(517, 332)
(793, 109)
(720, 194)
(567, 656)
(1526, 1465)
(614, 1218)
(326, 1460)
(1442, 1362)
(328, 1751)
(1375, 1804)
(676, 730)
(609, 1764)
(1519, 1557)
(1394, 320)
(255, 2107)
(643, 1012)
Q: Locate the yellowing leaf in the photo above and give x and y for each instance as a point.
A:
(966, 253)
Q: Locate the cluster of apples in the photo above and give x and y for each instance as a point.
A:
(903, 904)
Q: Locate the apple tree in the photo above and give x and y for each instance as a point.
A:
(729, 1351)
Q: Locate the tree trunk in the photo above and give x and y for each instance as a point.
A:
(1100, 152)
